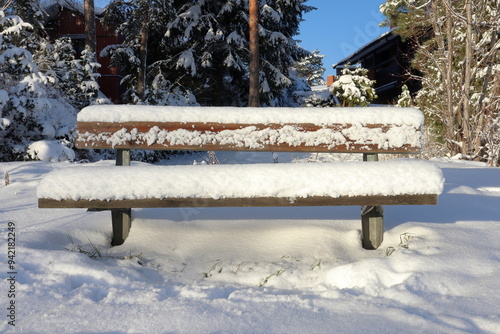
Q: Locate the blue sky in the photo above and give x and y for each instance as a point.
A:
(338, 28)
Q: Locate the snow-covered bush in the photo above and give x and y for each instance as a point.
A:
(76, 79)
(353, 87)
(50, 150)
(404, 99)
(31, 109)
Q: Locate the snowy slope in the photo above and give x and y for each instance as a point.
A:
(247, 270)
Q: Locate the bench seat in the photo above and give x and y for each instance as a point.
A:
(398, 181)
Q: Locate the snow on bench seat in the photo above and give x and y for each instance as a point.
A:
(237, 115)
(291, 181)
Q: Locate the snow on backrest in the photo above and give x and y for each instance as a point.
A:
(374, 129)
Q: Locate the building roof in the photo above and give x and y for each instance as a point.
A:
(367, 49)
(52, 7)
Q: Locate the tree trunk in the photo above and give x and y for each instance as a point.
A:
(253, 96)
(143, 50)
(447, 63)
(466, 138)
(90, 34)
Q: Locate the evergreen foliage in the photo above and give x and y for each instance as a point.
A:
(404, 99)
(36, 89)
(202, 47)
(29, 11)
(164, 83)
(353, 87)
(311, 68)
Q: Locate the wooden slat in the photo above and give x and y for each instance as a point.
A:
(241, 202)
(108, 129)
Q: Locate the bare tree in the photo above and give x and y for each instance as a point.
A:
(458, 52)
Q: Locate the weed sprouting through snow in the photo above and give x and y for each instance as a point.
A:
(389, 251)
(316, 264)
(95, 253)
(404, 240)
(6, 178)
(277, 274)
(213, 268)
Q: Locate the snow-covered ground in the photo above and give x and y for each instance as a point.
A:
(253, 270)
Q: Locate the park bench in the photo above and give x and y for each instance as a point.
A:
(369, 183)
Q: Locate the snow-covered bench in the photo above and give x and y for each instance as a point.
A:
(355, 130)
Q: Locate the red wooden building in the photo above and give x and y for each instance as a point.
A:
(66, 21)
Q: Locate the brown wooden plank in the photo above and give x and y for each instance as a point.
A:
(351, 146)
(241, 202)
(98, 127)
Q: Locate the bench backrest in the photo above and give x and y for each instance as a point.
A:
(363, 130)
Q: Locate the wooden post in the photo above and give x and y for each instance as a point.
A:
(372, 218)
(121, 218)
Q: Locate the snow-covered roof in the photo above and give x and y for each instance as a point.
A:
(52, 7)
(367, 48)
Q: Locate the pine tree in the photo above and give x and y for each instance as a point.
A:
(311, 68)
(202, 46)
(404, 99)
(353, 87)
(163, 84)
(75, 78)
(31, 108)
(29, 11)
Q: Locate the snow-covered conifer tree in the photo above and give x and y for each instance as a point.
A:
(404, 99)
(30, 108)
(311, 68)
(353, 87)
(202, 46)
(29, 11)
(211, 43)
(76, 79)
(162, 83)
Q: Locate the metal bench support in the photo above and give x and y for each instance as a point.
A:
(372, 218)
(121, 218)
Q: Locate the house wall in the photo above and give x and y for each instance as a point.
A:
(70, 23)
(387, 60)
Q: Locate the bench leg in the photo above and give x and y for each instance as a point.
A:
(372, 218)
(121, 220)
(372, 224)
